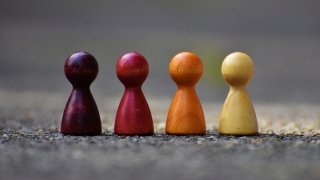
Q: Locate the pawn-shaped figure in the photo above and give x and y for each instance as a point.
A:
(185, 116)
(133, 115)
(238, 116)
(81, 115)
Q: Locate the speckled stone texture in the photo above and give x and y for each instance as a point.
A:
(31, 146)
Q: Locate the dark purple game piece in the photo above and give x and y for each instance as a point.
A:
(81, 115)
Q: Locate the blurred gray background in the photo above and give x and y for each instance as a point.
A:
(282, 37)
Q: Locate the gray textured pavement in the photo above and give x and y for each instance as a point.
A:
(31, 146)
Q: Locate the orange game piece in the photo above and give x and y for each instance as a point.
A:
(185, 116)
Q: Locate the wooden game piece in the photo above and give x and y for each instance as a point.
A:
(133, 115)
(81, 115)
(238, 116)
(185, 116)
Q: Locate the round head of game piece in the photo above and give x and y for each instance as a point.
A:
(186, 68)
(81, 68)
(132, 69)
(237, 69)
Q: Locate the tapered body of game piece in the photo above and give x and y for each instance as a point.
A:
(81, 115)
(133, 115)
(238, 116)
(185, 116)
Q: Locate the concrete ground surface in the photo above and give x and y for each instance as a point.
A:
(31, 146)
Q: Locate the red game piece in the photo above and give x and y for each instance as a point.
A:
(81, 115)
(133, 115)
